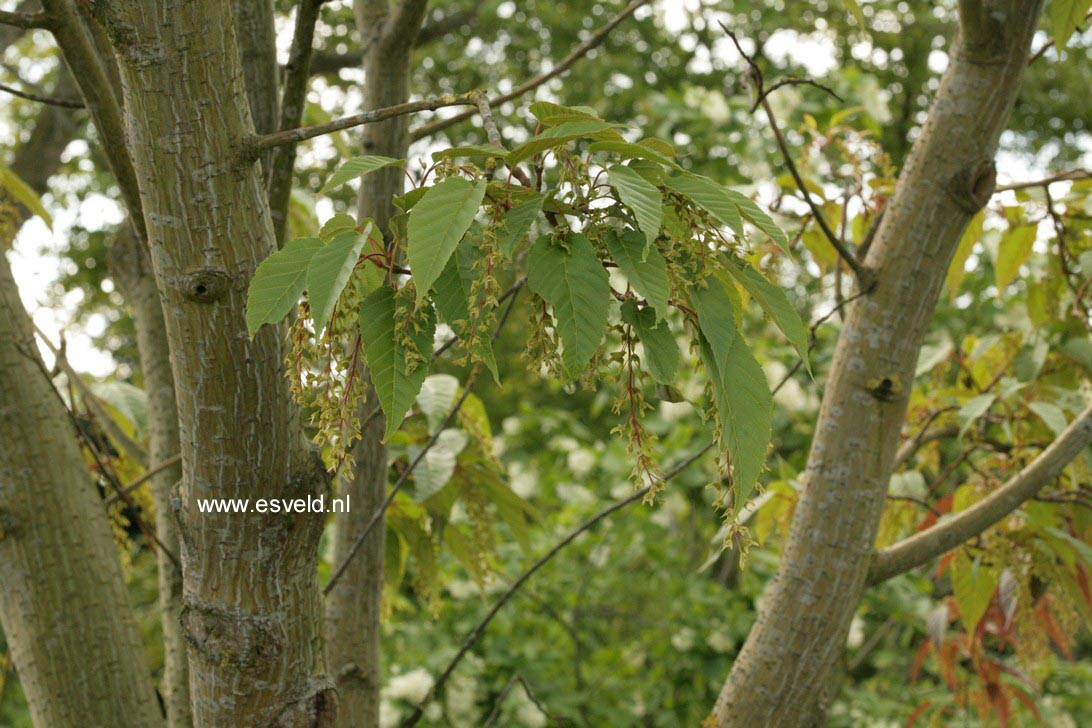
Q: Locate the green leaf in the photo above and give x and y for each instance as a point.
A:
(1083, 550)
(661, 350)
(758, 217)
(854, 9)
(128, 401)
(278, 283)
(640, 196)
(644, 267)
(558, 135)
(743, 399)
(330, 269)
(516, 513)
(438, 465)
(437, 224)
(1051, 415)
(571, 278)
(658, 145)
(971, 236)
(24, 194)
(395, 387)
(452, 292)
(407, 201)
(1066, 16)
(709, 196)
(517, 223)
(972, 409)
(973, 583)
(337, 224)
(436, 398)
(473, 151)
(1013, 252)
(776, 304)
(626, 150)
(552, 114)
(358, 167)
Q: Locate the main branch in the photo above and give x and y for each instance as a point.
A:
(259, 143)
(926, 545)
(593, 42)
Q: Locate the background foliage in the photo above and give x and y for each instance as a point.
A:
(637, 623)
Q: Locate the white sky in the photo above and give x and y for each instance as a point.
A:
(37, 272)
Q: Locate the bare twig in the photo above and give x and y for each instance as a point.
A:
(1050, 43)
(293, 99)
(793, 82)
(967, 524)
(1070, 176)
(327, 62)
(495, 713)
(865, 278)
(94, 404)
(593, 41)
(24, 20)
(108, 473)
(259, 143)
(379, 512)
(523, 578)
(148, 475)
(63, 103)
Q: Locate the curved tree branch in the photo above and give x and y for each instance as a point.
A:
(259, 143)
(49, 100)
(594, 41)
(293, 100)
(946, 535)
(63, 18)
(23, 20)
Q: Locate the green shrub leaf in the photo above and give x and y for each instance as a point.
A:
(743, 400)
(776, 304)
(278, 283)
(358, 167)
(572, 280)
(661, 350)
(644, 267)
(396, 388)
(436, 225)
(640, 196)
(329, 271)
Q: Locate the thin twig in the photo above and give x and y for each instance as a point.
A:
(1070, 176)
(491, 131)
(148, 475)
(93, 402)
(108, 474)
(793, 82)
(495, 713)
(28, 21)
(593, 41)
(865, 278)
(257, 144)
(1051, 43)
(479, 629)
(379, 513)
(63, 103)
(297, 73)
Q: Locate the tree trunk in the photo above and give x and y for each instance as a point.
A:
(58, 562)
(131, 269)
(256, 32)
(63, 606)
(353, 610)
(251, 607)
(781, 677)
